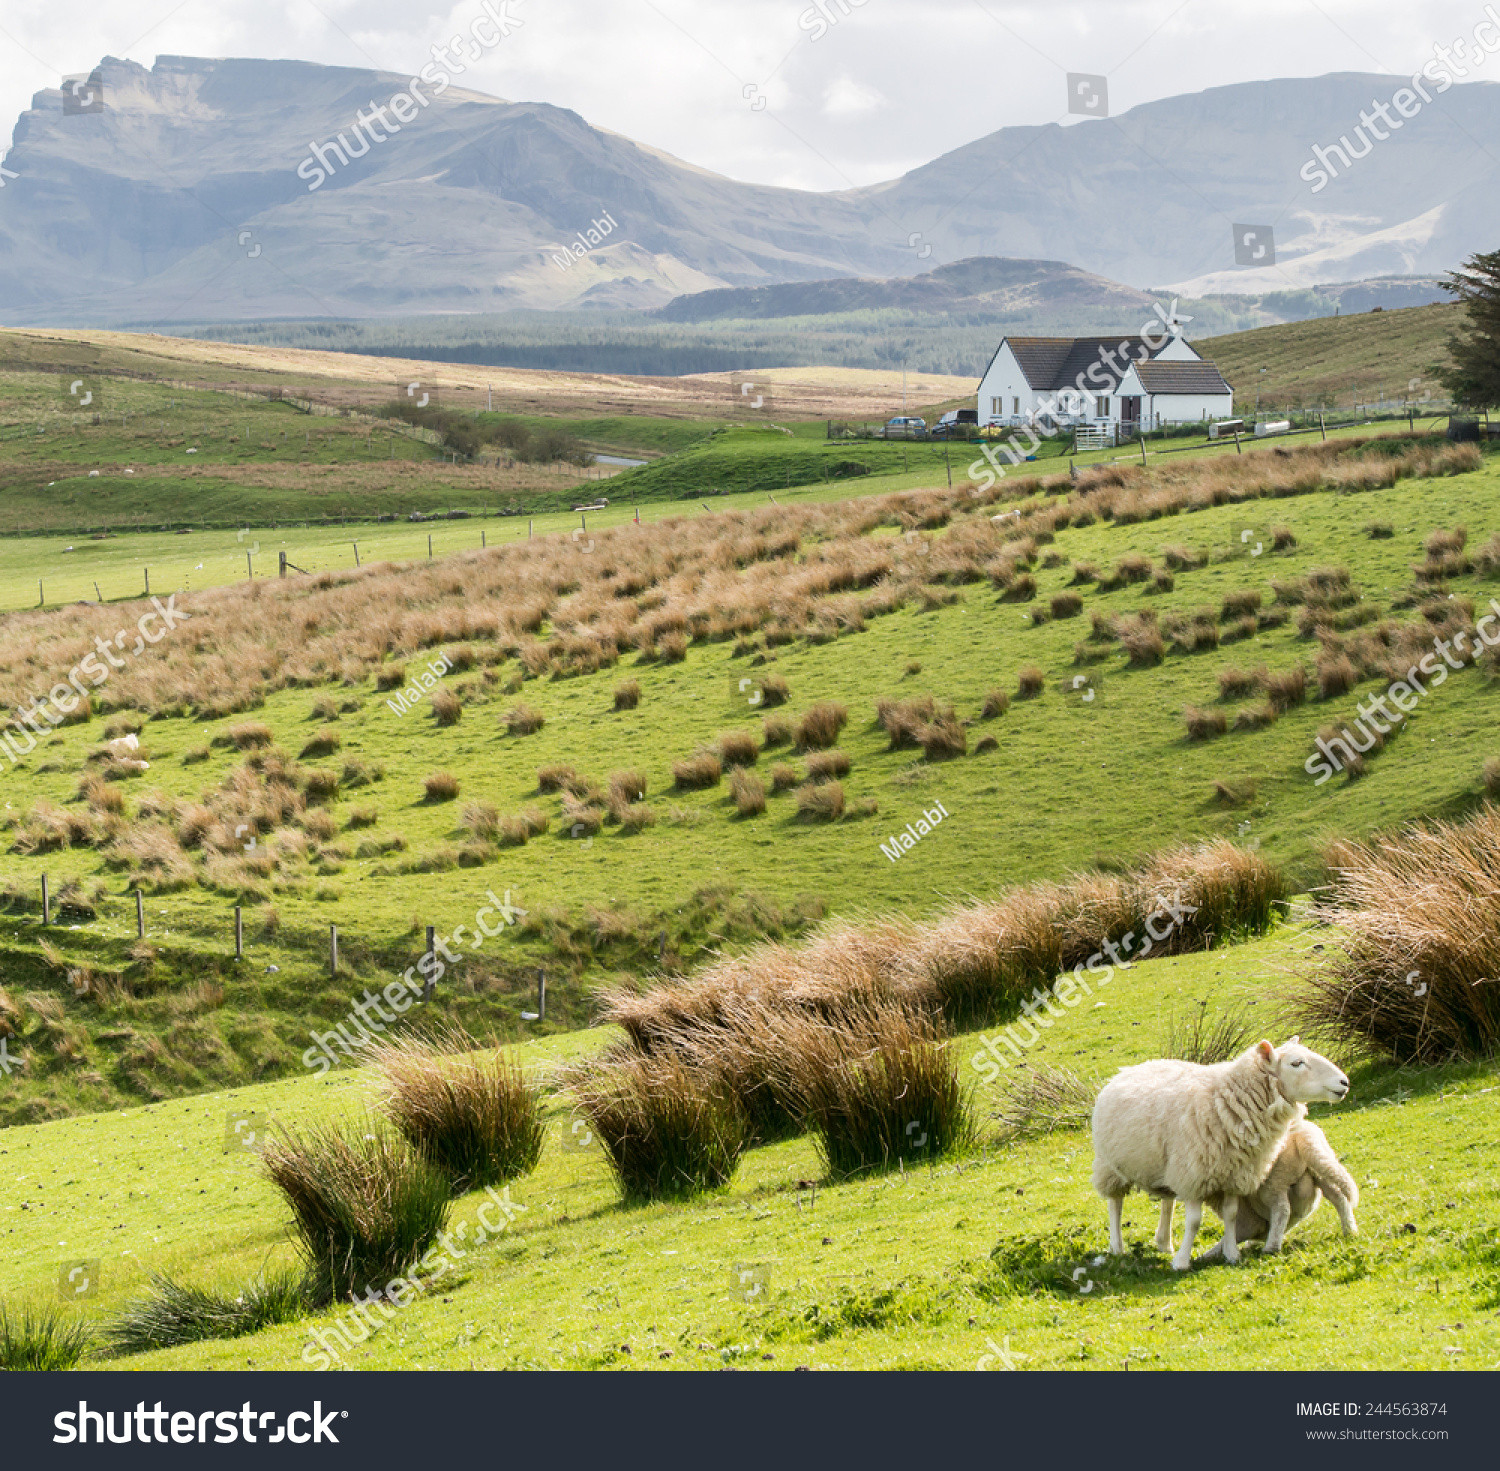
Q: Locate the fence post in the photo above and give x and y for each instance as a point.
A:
(281, 564)
(239, 933)
(429, 546)
(431, 983)
(333, 949)
(140, 915)
(355, 545)
(46, 903)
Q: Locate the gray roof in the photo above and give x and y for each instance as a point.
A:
(1199, 377)
(1052, 364)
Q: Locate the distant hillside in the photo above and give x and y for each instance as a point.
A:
(1376, 354)
(981, 285)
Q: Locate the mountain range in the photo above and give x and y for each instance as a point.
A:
(191, 191)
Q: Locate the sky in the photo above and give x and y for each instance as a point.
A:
(813, 94)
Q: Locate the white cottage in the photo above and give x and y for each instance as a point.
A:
(1118, 384)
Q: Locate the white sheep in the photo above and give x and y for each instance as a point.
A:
(1305, 1171)
(1185, 1131)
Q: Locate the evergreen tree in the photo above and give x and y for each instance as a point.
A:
(1474, 378)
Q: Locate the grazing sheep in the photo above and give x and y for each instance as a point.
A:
(1182, 1130)
(1305, 1171)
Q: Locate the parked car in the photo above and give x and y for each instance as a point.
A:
(902, 427)
(957, 424)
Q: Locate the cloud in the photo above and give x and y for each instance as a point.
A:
(844, 97)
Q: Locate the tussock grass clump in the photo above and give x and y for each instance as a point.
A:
(902, 720)
(697, 772)
(774, 690)
(1197, 1037)
(523, 720)
(446, 708)
(1491, 778)
(1141, 640)
(390, 677)
(1413, 979)
(748, 792)
(249, 735)
(1037, 1100)
(1030, 683)
(1256, 717)
(324, 743)
(627, 695)
(1084, 573)
(1066, 605)
(822, 802)
(1238, 604)
(440, 786)
(636, 818)
(996, 702)
(481, 820)
(1337, 675)
(1286, 689)
(581, 816)
(555, 778)
(173, 1313)
(1203, 725)
(41, 1340)
(625, 787)
(473, 1115)
(880, 1092)
(825, 765)
(784, 776)
(777, 730)
(820, 726)
(1235, 683)
(738, 748)
(669, 1130)
(364, 1204)
(1283, 539)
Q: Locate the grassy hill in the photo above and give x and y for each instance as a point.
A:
(1380, 355)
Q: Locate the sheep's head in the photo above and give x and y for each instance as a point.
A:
(1304, 1076)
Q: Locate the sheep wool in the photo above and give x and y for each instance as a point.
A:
(1186, 1131)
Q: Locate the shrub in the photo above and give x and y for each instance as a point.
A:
(474, 1116)
(1066, 605)
(440, 786)
(748, 792)
(699, 771)
(1202, 725)
(825, 765)
(882, 1092)
(1031, 683)
(627, 695)
(738, 748)
(523, 720)
(1411, 978)
(446, 709)
(997, 702)
(819, 728)
(365, 1206)
(40, 1339)
(823, 801)
(324, 743)
(555, 778)
(173, 1313)
(667, 1129)
(778, 730)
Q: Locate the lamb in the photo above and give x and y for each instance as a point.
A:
(1184, 1131)
(1305, 1171)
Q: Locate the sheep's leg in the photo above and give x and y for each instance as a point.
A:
(1346, 1213)
(1164, 1226)
(1116, 1237)
(1281, 1215)
(1184, 1258)
(1230, 1210)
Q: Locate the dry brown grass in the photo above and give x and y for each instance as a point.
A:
(825, 765)
(820, 726)
(738, 748)
(1412, 977)
(1203, 725)
(446, 709)
(440, 786)
(698, 772)
(996, 702)
(627, 694)
(748, 792)
(1030, 683)
(823, 802)
(523, 720)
